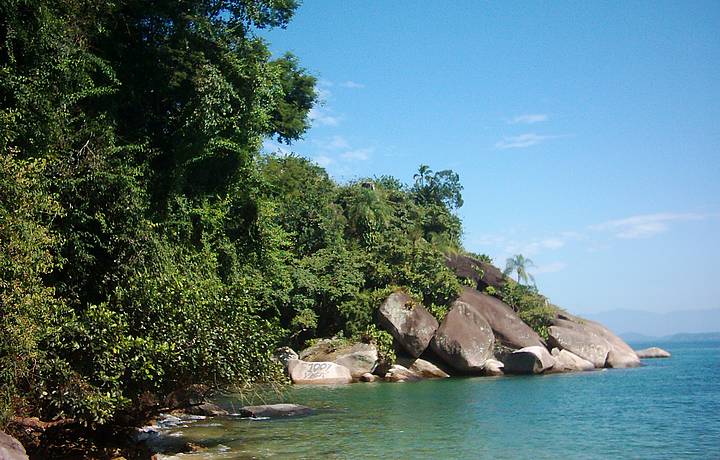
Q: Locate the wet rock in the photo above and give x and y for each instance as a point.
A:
(11, 449)
(368, 377)
(493, 367)
(275, 410)
(653, 352)
(408, 322)
(566, 361)
(423, 368)
(464, 340)
(398, 373)
(321, 373)
(507, 326)
(529, 360)
(206, 410)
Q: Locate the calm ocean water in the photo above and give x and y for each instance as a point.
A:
(668, 409)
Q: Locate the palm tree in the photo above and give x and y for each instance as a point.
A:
(423, 175)
(519, 264)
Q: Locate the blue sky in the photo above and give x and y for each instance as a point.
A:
(586, 134)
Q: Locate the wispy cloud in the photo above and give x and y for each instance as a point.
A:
(552, 267)
(323, 160)
(332, 143)
(357, 154)
(352, 84)
(646, 225)
(323, 117)
(523, 141)
(529, 119)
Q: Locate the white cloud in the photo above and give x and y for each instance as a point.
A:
(323, 160)
(522, 141)
(645, 225)
(529, 118)
(357, 154)
(332, 143)
(323, 117)
(552, 267)
(352, 85)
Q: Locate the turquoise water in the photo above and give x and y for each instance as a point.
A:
(668, 409)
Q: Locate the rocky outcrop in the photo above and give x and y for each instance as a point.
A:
(11, 449)
(465, 339)
(422, 368)
(368, 377)
(359, 358)
(399, 373)
(529, 360)
(409, 322)
(320, 373)
(569, 362)
(591, 341)
(507, 326)
(481, 273)
(653, 352)
(275, 410)
(493, 368)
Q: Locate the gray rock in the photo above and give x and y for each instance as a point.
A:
(275, 410)
(566, 361)
(368, 377)
(321, 373)
(591, 341)
(481, 273)
(493, 367)
(285, 354)
(529, 360)
(423, 368)
(408, 322)
(464, 340)
(359, 358)
(507, 326)
(398, 373)
(206, 410)
(11, 449)
(653, 352)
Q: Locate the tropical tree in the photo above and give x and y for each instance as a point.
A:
(519, 264)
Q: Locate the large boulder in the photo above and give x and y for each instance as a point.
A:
(423, 368)
(465, 339)
(11, 449)
(321, 373)
(507, 326)
(569, 362)
(653, 352)
(591, 341)
(275, 410)
(529, 360)
(408, 322)
(359, 358)
(481, 273)
(285, 354)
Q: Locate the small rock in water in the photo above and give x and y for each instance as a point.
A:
(275, 410)
(653, 352)
(368, 377)
(205, 409)
(493, 367)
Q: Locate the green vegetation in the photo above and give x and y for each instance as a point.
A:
(146, 243)
(532, 307)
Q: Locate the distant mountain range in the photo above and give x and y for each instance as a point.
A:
(655, 325)
(631, 337)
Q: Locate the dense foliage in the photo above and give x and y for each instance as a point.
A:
(146, 243)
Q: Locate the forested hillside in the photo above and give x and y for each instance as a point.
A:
(146, 242)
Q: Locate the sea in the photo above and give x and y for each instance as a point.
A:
(666, 409)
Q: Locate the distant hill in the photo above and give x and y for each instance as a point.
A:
(683, 337)
(655, 325)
